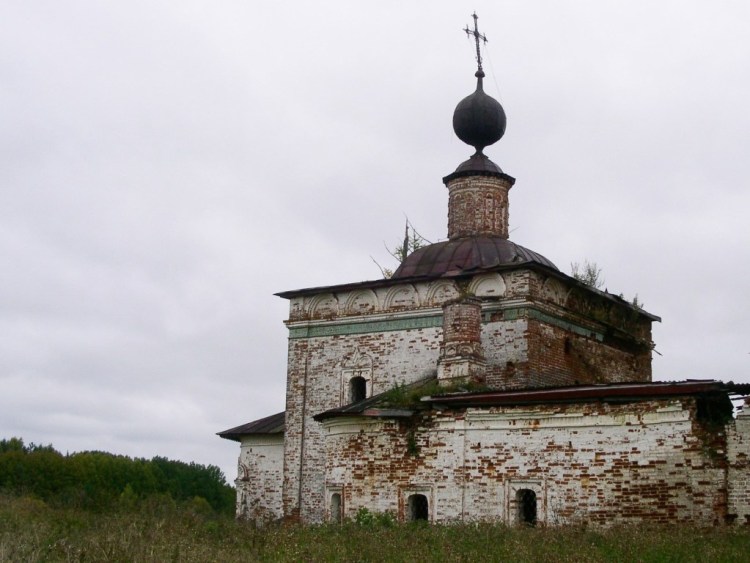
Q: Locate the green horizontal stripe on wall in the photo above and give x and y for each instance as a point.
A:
(364, 327)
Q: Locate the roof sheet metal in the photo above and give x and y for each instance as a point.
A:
(373, 406)
(368, 407)
(465, 255)
(513, 257)
(273, 424)
(619, 392)
(581, 393)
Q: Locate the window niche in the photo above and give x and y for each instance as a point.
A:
(357, 389)
(336, 508)
(356, 379)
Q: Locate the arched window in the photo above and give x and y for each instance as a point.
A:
(418, 508)
(357, 389)
(336, 507)
(526, 502)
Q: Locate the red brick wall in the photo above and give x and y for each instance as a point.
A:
(478, 205)
(588, 463)
(522, 347)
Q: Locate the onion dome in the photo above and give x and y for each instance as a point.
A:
(479, 119)
(477, 202)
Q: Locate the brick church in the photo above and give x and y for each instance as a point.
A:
(480, 382)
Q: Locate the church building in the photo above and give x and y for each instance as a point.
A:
(481, 383)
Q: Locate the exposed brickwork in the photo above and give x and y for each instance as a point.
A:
(507, 353)
(558, 357)
(658, 460)
(461, 357)
(517, 325)
(258, 485)
(594, 463)
(478, 205)
(738, 470)
(314, 386)
(462, 321)
(497, 331)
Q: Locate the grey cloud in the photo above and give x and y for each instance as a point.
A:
(165, 167)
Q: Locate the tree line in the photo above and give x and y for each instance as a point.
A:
(100, 480)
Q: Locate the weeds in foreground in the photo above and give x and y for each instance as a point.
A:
(32, 531)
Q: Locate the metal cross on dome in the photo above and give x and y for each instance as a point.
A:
(477, 37)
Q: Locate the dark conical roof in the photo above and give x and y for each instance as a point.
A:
(479, 120)
(478, 165)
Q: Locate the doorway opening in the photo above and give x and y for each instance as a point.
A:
(419, 508)
(526, 502)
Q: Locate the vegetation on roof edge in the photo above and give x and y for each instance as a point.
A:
(410, 396)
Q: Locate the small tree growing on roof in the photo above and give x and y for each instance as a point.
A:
(589, 273)
(412, 241)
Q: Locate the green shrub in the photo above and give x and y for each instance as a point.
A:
(367, 518)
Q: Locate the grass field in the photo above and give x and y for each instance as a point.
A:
(162, 531)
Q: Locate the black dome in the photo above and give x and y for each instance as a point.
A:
(466, 255)
(479, 120)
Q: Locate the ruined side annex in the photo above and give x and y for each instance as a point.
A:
(479, 382)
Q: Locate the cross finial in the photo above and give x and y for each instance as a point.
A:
(477, 37)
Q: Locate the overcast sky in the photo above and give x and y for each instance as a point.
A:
(167, 166)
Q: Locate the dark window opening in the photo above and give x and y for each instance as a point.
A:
(568, 346)
(419, 509)
(336, 507)
(526, 501)
(358, 389)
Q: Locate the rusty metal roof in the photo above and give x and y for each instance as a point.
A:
(618, 392)
(613, 393)
(273, 424)
(377, 406)
(371, 407)
(466, 255)
(386, 282)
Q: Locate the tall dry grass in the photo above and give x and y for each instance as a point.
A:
(159, 530)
